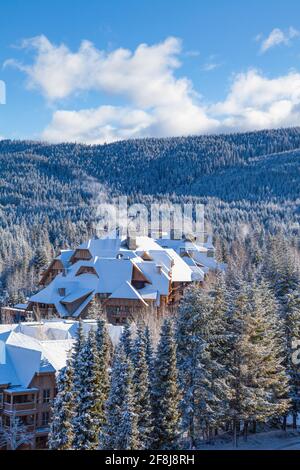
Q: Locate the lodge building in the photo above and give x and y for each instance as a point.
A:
(31, 355)
(127, 278)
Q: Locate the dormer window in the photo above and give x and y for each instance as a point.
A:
(138, 284)
(62, 291)
(86, 270)
(146, 257)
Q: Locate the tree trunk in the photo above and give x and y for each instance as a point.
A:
(192, 434)
(254, 427)
(235, 433)
(284, 423)
(295, 415)
(245, 431)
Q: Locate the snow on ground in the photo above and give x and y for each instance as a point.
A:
(271, 440)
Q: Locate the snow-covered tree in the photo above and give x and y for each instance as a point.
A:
(120, 431)
(90, 398)
(149, 353)
(15, 434)
(166, 392)
(291, 323)
(105, 348)
(200, 332)
(126, 339)
(40, 260)
(61, 428)
(95, 310)
(142, 390)
(79, 342)
(259, 383)
(129, 432)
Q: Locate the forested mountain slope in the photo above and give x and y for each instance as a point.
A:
(48, 193)
(154, 166)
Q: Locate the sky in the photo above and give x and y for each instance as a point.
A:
(99, 71)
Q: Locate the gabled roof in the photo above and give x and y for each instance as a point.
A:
(76, 295)
(112, 273)
(181, 272)
(65, 256)
(113, 263)
(160, 280)
(127, 291)
(24, 355)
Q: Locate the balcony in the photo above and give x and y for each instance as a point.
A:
(42, 430)
(19, 407)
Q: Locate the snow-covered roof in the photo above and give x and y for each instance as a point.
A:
(21, 306)
(113, 263)
(30, 348)
(127, 291)
(65, 256)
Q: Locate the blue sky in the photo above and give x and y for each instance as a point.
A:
(149, 68)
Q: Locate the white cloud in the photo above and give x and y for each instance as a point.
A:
(192, 53)
(154, 101)
(257, 102)
(145, 78)
(104, 124)
(211, 64)
(276, 37)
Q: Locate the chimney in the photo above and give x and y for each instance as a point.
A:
(176, 234)
(158, 268)
(189, 237)
(131, 241)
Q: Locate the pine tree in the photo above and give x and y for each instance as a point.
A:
(61, 429)
(129, 434)
(89, 397)
(104, 347)
(79, 342)
(200, 332)
(259, 382)
(280, 268)
(126, 339)
(149, 354)
(40, 260)
(95, 309)
(166, 392)
(109, 438)
(142, 391)
(120, 431)
(292, 342)
(265, 335)
(242, 394)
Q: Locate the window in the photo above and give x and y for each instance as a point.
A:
(45, 418)
(27, 420)
(138, 284)
(46, 395)
(1, 400)
(23, 398)
(6, 420)
(7, 398)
